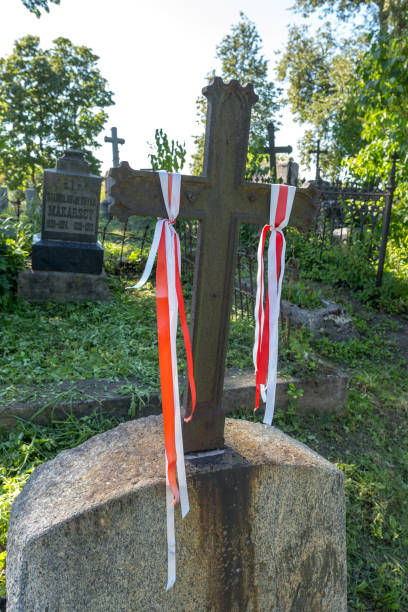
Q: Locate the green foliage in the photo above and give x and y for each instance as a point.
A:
(49, 100)
(379, 15)
(383, 90)
(302, 295)
(12, 259)
(321, 72)
(351, 267)
(167, 156)
(35, 6)
(240, 54)
(13, 252)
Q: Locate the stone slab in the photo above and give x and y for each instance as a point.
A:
(266, 529)
(327, 392)
(59, 256)
(46, 286)
(331, 320)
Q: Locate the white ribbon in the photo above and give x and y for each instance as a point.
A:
(172, 208)
(268, 391)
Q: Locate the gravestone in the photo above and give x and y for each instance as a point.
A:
(266, 530)
(3, 198)
(67, 257)
(32, 200)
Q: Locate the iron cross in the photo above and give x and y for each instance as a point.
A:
(221, 201)
(271, 150)
(318, 152)
(115, 148)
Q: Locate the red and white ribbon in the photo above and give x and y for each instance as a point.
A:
(265, 351)
(169, 301)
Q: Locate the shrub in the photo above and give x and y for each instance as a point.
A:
(12, 259)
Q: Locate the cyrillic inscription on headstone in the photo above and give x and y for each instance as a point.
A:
(70, 207)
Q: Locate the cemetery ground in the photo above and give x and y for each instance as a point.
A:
(116, 340)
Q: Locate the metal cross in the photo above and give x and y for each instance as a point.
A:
(221, 200)
(318, 152)
(271, 150)
(115, 148)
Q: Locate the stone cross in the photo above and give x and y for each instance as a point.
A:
(272, 150)
(318, 152)
(221, 201)
(115, 148)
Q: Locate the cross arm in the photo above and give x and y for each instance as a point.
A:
(254, 205)
(138, 192)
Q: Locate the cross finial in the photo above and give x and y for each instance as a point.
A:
(115, 148)
(226, 140)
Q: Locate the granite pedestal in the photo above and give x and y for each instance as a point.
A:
(61, 256)
(266, 529)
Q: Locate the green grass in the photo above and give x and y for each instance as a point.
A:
(369, 444)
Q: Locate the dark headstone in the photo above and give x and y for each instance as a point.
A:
(68, 240)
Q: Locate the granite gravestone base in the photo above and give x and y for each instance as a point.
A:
(67, 255)
(266, 528)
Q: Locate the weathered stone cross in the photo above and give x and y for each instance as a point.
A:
(115, 148)
(221, 200)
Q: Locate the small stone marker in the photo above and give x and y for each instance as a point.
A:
(68, 240)
(221, 200)
(32, 199)
(3, 198)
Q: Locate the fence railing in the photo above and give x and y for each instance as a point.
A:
(346, 214)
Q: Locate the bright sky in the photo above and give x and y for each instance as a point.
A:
(155, 56)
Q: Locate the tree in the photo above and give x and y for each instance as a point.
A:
(382, 16)
(240, 55)
(323, 72)
(34, 6)
(322, 76)
(49, 100)
(167, 156)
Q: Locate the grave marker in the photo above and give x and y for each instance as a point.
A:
(272, 150)
(221, 200)
(69, 237)
(67, 257)
(115, 142)
(32, 199)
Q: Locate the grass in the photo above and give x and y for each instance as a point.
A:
(368, 443)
